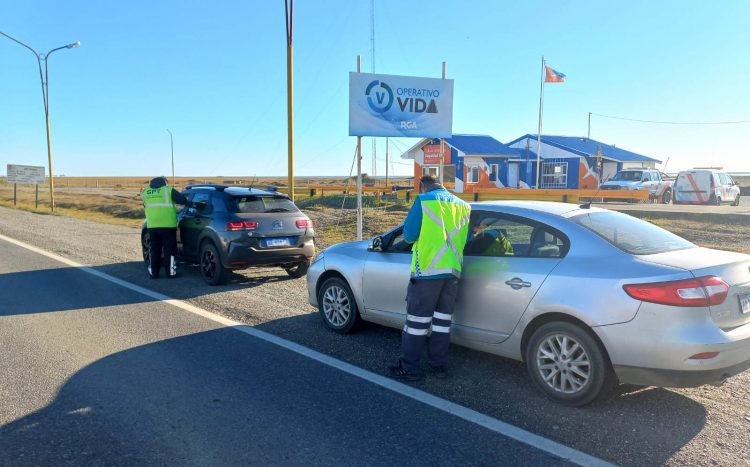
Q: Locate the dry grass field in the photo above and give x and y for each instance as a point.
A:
(116, 201)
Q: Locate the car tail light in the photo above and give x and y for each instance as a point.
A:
(241, 225)
(704, 356)
(701, 291)
(304, 224)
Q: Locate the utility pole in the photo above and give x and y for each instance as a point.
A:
(359, 169)
(589, 133)
(289, 9)
(372, 54)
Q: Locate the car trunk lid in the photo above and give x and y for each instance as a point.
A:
(732, 268)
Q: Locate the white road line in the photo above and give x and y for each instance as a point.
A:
(490, 423)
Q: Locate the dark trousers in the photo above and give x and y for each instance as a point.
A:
(429, 308)
(163, 239)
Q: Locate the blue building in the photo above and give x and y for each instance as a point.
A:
(481, 161)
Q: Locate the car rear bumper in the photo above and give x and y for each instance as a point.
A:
(240, 254)
(677, 378)
(654, 349)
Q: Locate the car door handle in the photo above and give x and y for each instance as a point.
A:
(517, 283)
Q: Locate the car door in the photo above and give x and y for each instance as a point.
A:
(496, 290)
(192, 221)
(386, 275)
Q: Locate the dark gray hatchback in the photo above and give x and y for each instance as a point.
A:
(228, 228)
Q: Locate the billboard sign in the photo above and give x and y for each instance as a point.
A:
(406, 106)
(26, 174)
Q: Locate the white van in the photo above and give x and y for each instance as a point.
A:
(705, 186)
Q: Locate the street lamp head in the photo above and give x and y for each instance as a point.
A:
(73, 45)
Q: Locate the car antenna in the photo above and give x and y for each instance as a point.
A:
(255, 179)
(591, 200)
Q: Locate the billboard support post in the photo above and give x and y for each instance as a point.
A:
(442, 151)
(359, 170)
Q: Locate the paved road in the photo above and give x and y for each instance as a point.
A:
(638, 427)
(95, 373)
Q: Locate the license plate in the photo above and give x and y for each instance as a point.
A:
(277, 242)
(745, 303)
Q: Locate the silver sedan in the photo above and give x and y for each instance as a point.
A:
(586, 297)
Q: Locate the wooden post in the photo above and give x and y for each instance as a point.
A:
(14, 193)
(36, 200)
(408, 196)
(476, 196)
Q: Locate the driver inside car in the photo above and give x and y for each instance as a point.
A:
(488, 240)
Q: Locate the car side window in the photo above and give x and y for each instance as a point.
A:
(202, 197)
(494, 234)
(398, 244)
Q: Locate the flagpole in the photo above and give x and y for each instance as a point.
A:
(539, 134)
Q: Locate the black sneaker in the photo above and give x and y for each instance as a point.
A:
(401, 373)
(440, 372)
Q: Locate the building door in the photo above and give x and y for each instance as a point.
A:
(513, 170)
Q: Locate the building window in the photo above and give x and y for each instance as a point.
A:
(433, 171)
(494, 169)
(554, 174)
(472, 174)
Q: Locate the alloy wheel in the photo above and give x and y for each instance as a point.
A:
(208, 264)
(563, 364)
(336, 305)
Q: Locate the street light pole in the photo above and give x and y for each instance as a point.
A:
(171, 143)
(44, 77)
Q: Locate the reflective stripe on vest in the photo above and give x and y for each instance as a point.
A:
(159, 207)
(439, 250)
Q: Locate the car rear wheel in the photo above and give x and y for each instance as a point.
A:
(666, 198)
(337, 305)
(568, 365)
(298, 269)
(212, 270)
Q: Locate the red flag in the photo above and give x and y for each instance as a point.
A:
(553, 76)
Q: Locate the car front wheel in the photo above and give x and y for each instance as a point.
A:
(212, 270)
(146, 247)
(337, 305)
(736, 201)
(568, 365)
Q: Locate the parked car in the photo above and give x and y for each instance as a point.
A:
(588, 298)
(225, 229)
(652, 180)
(706, 186)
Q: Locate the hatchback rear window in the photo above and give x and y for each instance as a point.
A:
(630, 234)
(260, 204)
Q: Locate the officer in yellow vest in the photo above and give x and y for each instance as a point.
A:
(159, 202)
(438, 226)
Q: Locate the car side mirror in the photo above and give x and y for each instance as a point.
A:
(377, 244)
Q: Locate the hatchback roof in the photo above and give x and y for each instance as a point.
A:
(237, 190)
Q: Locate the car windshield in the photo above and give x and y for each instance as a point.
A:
(630, 234)
(629, 176)
(260, 204)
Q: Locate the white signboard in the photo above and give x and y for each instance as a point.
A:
(28, 174)
(389, 105)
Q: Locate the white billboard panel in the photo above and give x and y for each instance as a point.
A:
(405, 106)
(26, 174)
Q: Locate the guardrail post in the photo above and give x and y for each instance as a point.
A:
(565, 198)
(476, 196)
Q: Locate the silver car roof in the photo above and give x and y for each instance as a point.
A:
(523, 207)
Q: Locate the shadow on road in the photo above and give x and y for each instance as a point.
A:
(637, 426)
(20, 290)
(223, 398)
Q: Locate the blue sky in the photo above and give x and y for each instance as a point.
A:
(215, 74)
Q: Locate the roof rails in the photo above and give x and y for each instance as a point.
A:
(207, 185)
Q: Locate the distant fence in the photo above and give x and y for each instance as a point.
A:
(565, 196)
